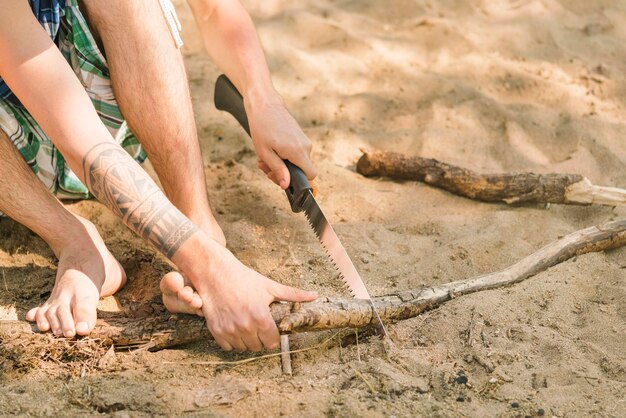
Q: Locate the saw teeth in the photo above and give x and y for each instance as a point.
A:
(329, 255)
(345, 283)
(332, 260)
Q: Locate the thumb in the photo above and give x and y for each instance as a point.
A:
(291, 294)
(278, 170)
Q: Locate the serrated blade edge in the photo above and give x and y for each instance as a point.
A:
(334, 249)
(338, 256)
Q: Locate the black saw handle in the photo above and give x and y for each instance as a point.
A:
(228, 98)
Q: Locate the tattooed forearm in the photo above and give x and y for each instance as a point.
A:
(117, 181)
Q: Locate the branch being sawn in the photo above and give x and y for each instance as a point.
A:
(161, 329)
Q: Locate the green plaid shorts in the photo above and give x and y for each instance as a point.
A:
(79, 48)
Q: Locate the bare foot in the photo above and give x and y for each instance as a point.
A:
(86, 272)
(179, 296)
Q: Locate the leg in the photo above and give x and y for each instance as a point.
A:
(86, 268)
(151, 88)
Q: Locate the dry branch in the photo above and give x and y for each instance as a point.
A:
(161, 329)
(507, 187)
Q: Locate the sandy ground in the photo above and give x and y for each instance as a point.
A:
(492, 85)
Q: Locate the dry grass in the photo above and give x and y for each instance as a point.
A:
(72, 357)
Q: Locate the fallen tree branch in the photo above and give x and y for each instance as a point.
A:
(161, 329)
(507, 187)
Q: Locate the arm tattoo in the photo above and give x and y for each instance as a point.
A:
(118, 182)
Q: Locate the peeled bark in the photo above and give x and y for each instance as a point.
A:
(157, 329)
(507, 187)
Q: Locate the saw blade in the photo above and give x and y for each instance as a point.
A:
(337, 253)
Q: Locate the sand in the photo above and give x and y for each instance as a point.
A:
(490, 85)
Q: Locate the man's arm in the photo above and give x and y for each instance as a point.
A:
(39, 75)
(232, 42)
(121, 185)
(235, 299)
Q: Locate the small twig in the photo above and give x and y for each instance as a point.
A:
(341, 352)
(470, 331)
(587, 378)
(251, 359)
(486, 363)
(285, 354)
(75, 398)
(367, 383)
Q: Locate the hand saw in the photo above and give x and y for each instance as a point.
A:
(301, 199)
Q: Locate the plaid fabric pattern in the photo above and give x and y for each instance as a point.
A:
(68, 28)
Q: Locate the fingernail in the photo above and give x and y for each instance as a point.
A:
(82, 327)
(284, 184)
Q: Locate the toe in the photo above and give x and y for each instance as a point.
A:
(66, 320)
(196, 301)
(42, 321)
(31, 316)
(53, 320)
(178, 296)
(172, 283)
(84, 317)
(185, 294)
